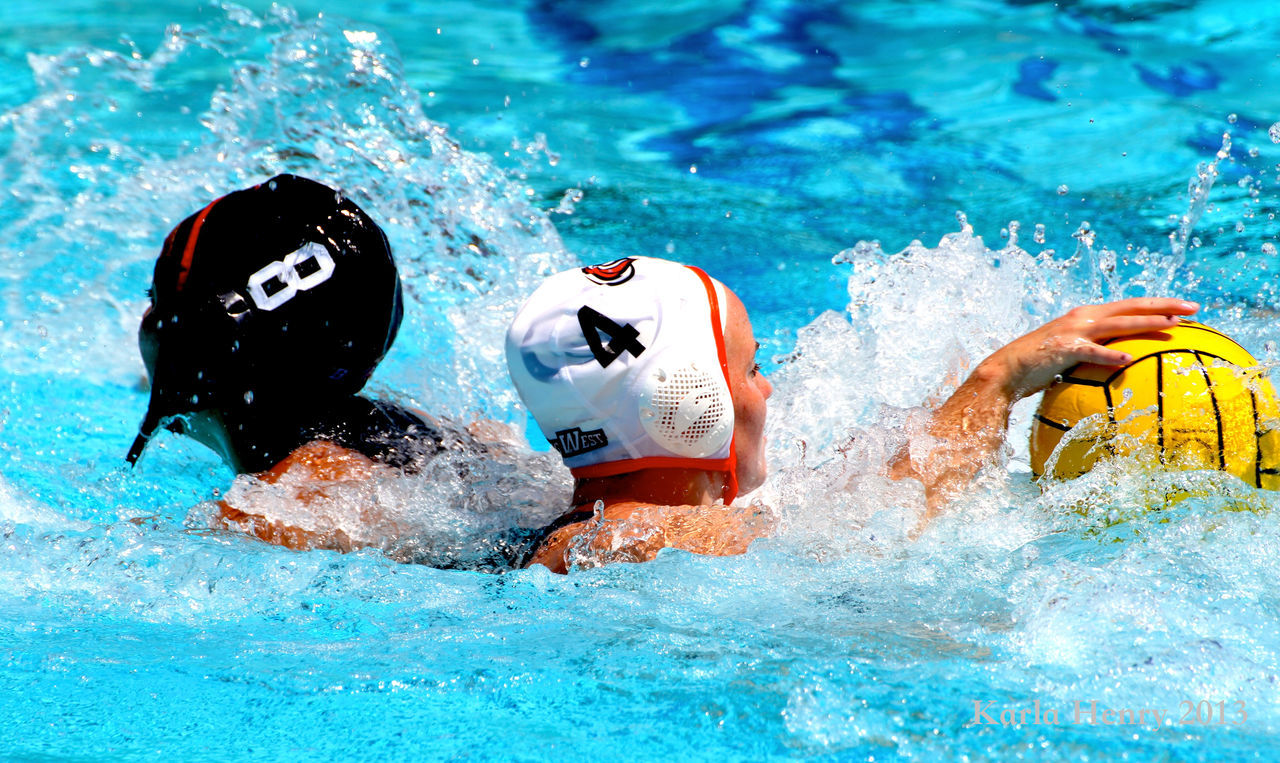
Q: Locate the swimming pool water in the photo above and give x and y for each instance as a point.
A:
(769, 141)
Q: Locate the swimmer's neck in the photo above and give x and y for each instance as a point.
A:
(660, 487)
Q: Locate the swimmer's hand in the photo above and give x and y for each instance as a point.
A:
(1029, 364)
(967, 430)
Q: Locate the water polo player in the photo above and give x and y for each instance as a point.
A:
(270, 309)
(642, 374)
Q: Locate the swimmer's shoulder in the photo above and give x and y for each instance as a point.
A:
(381, 431)
(390, 433)
(318, 461)
(562, 535)
(321, 460)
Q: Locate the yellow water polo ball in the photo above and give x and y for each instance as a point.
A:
(1192, 398)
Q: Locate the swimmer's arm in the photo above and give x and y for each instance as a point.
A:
(281, 534)
(314, 464)
(969, 427)
(636, 532)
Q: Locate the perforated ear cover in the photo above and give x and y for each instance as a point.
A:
(685, 406)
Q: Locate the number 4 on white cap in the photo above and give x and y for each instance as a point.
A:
(621, 338)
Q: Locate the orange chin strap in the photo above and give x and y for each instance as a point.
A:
(717, 330)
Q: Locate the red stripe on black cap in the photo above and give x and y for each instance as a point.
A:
(184, 266)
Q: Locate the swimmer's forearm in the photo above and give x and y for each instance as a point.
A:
(978, 412)
(633, 532)
(971, 424)
(966, 431)
(281, 534)
(970, 427)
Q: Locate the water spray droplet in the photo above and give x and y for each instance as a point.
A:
(1225, 151)
(861, 251)
(1085, 235)
(1063, 190)
(1274, 132)
(1269, 248)
(1232, 118)
(1038, 236)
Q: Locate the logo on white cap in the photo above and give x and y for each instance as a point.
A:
(573, 442)
(613, 273)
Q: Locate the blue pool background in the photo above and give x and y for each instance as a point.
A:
(760, 140)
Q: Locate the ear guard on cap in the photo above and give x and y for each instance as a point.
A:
(686, 408)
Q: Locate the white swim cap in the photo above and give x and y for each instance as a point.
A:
(623, 367)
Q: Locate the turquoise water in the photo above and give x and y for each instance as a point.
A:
(770, 142)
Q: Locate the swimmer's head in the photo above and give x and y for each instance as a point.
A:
(624, 366)
(283, 294)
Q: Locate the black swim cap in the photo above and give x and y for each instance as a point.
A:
(284, 293)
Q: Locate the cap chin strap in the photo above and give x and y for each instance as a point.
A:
(720, 309)
(139, 442)
(719, 304)
(145, 432)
